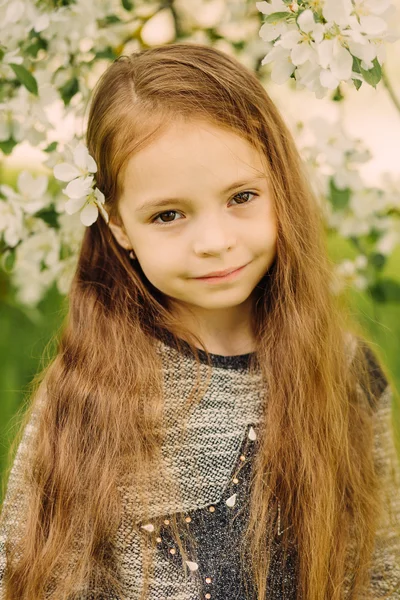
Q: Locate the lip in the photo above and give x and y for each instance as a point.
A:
(219, 273)
(227, 276)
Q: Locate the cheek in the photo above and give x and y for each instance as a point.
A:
(264, 232)
(158, 264)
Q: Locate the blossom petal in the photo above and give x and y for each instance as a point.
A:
(318, 33)
(342, 62)
(89, 214)
(325, 52)
(42, 22)
(306, 20)
(80, 154)
(79, 187)
(328, 80)
(264, 7)
(25, 181)
(378, 6)
(99, 196)
(269, 32)
(66, 172)
(83, 160)
(268, 8)
(337, 11)
(100, 200)
(289, 39)
(14, 12)
(103, 212)
(29, 186)
(367, 52)
(373, 25)
(91, 164)
(74, 204)
(8, 191)
(301, 53)
(282, 71)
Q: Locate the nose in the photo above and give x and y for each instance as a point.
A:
(213, 237)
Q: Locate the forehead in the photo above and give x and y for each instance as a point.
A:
(187, 153)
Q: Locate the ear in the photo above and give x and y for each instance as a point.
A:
(118, 231)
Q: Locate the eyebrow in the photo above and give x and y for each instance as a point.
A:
(156, 204)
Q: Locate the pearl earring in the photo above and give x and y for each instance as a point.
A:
(131, 255)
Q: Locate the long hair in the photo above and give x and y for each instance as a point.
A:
(99, 403)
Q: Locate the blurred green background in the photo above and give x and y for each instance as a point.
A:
(26, 334)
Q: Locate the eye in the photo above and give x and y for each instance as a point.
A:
(241, 193)
(172, 212)
(168, 212)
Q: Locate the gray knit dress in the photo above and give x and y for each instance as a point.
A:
(213, 471)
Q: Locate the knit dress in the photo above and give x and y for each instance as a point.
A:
(213, 469)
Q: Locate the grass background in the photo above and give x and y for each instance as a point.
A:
(26, 334)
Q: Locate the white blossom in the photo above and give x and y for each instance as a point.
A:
(83, 196)
(10, 127)
(36, 262)
(336, 62)
(11, 222)
(82, 165)
(390, 238)
(30, 111)
(65, 273)
(282, 67)
(272, 30)
(13, 56)
(30, 195)
(325, 39)
(350, 273)
(366, 202)
(303, 42)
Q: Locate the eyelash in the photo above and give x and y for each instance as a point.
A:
(153, 220)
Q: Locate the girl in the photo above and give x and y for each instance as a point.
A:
(202, 434)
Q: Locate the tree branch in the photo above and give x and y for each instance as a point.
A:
(390, 90)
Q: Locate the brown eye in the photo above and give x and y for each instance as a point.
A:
(241, 194)
(168, 212)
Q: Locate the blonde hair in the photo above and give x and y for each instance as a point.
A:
(102, 398)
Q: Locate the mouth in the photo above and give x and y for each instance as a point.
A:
(226, 276)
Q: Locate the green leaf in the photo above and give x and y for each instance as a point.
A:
(356, 64)
(339, 198)
(26, 78)
(36, 45)
(357, 83)
(373, 236)
(8, 145)
(111, 19)
(127, 4)
(69, 89)
(2, 53)
(386, 290)
(107, 53)
(374, 75)
(51, 147)
(49, 216)
(378, 260)
(277, 16)
(8, 260)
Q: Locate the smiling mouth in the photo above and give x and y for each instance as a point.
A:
(220, 278)
(220, 273)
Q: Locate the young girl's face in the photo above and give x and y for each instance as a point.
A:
(217, 213)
